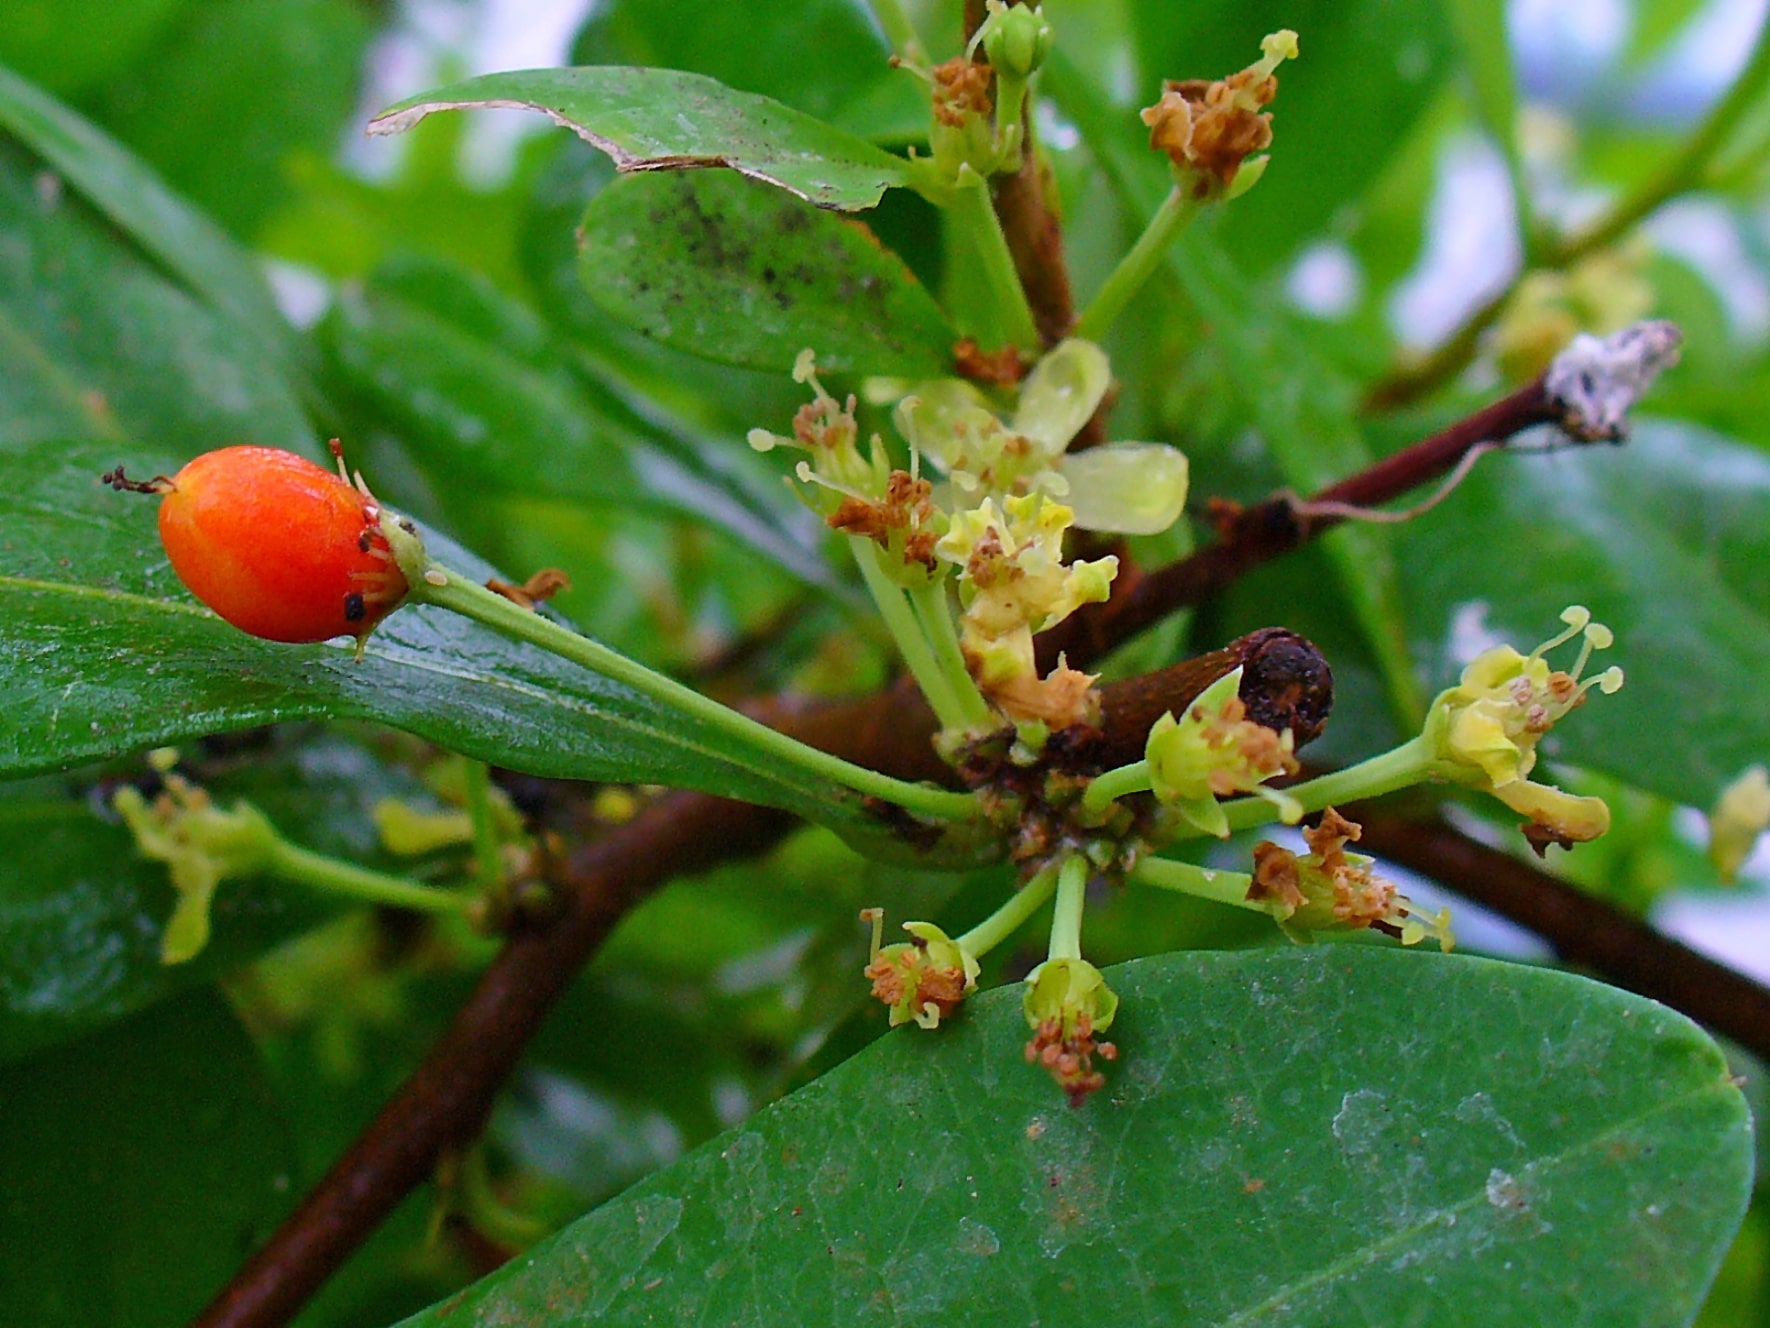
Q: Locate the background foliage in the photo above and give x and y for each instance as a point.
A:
(517, 387)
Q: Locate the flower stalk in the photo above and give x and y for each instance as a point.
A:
(439, 585)
(968, 205)
(1135, 269)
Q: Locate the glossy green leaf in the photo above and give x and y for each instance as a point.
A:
(103, 651)
(739, 273)
(663, 119)
(1323, 1136)
(99, 343)
(484, 399)
(1665, 539)
(761, 47)
(141, 1164)
(82, 911)
(1367, 69)
(179, 238)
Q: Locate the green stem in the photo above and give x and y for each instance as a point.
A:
(450, 590)
(1222, 887)
(970, 207)
(899, 31)
(304, 867)
(1136, 267)
(478, 784)
(912, 641)
(930, 603)
(1001, 924)
(1066, 918)
(1686, 170)
(1687, 166)
(1401, 767)
(1116, 783)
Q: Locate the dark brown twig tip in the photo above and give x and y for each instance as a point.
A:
(1596, 382)
(117, 480)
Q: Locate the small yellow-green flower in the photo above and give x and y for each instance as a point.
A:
(826, 429)
(1741, 814)
(201, 845)
(1124, 488)
(1215, 751)
(1329, 889)
(1067, 1002)
(1484, 732)
(1209, 131)
(921, 980)
(1013, 583)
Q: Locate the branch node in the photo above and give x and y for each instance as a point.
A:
(1596, 381)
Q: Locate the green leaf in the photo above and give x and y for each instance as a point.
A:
(1480, 30)
(70, 48)
(140, 1166)
(734, 271)
(663, 119)
(475, 386)
(180, 239)
(281, 75)
(96, 341)
(1321, 1136)
(102, 651)
(1367, 69)
(1664, 540)
(821, 57)
(82, 911)
(1305, 413)
(1655, 23)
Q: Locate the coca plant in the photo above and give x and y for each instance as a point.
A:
(954, 524)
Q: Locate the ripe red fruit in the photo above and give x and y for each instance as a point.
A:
(276, 545)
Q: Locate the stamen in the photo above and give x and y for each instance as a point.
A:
(876, 916)
(809, 476)
(1576, 616)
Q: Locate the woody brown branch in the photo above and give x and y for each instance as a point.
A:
(1584, 930)
(1249, 536)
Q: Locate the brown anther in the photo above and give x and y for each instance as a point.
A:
(1211, 128)
(1275, 878)
(961, 91)
(998, 368)
(1070, 1060)
(907, 507)
(1541, 836)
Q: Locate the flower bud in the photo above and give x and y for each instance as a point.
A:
(1017, 40)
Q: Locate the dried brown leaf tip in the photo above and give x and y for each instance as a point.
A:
(1210, 129)
(542, 586)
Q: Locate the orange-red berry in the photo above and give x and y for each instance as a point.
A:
(276, 545)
